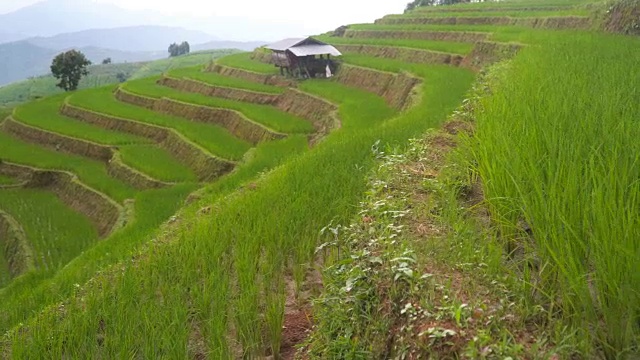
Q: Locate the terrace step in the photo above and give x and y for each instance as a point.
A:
(394, 88)
(556, 22)
(319, 112)
(234, 121)
(403, 53)
(486, 53)
(268, 79)
(427, 9)
(105, 154)
(103, 212)
(452, 36)
(205, 165)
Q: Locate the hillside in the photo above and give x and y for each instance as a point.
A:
(32, 56)
(48, 18)
(462, 188)
(101, 75)
(131, 39)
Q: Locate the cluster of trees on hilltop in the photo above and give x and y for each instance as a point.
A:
(177, 50)
(418, 3)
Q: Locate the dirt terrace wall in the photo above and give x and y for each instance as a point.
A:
(487, 53)
(15, 245)
(321, 113)
(103, 212)
(194, 86)
(57, 142)
(454, 36)
(237, 124)
(623, 17)
(394, 88)
(20, 173)
(206, 167)
(269, 79)
(405, 54)
(119, 170)
(151, 132)
(202, 163)
(559, 22)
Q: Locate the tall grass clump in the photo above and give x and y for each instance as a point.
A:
(558, 152)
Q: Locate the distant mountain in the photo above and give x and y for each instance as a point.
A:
(9, 37)
(220, 44)
(21, 59)
(32, 57)
(135, 38)
(52, 17)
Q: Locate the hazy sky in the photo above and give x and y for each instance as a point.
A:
(333, 11)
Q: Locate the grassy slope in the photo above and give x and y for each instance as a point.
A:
(266, 115)
(213, 138)
(31, 292)
(258, 223)
(580, 226)
(261, 221)
(244, 61)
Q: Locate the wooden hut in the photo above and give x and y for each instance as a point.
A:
(304, 57)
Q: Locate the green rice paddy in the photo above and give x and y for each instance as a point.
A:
(208, 273)
(198, 73)
(90, 172)
(266, 115)
(213, 138)
(56, 233)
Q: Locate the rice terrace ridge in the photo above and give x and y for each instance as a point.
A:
(460, 181)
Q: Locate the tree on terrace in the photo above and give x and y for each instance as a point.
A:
(69, 67)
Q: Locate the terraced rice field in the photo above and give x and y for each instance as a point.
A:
(273, 162)
(72, 141)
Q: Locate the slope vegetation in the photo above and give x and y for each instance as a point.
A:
(433, 262)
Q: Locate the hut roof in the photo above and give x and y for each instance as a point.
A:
(304, 47)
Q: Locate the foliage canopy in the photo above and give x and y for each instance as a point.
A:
(69, 67)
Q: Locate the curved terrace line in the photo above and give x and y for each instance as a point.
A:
(234, 121)
(552, 22)
(204, 164)
(452, 36)
(90, 150)
(403, 53)
(17, 251)
(319, 112)
(103, 212)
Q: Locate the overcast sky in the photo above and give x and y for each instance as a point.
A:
(316, 16)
